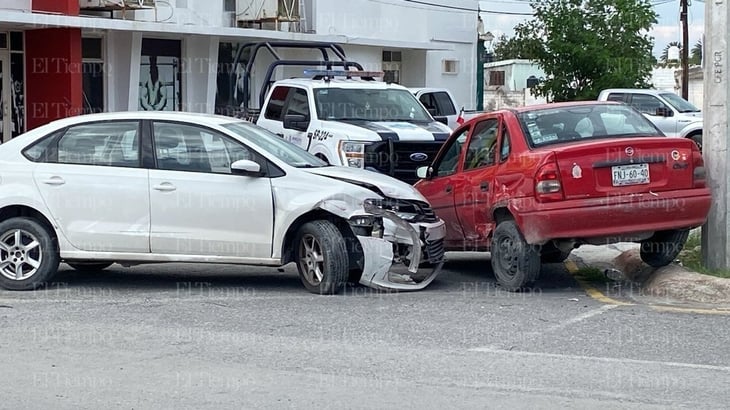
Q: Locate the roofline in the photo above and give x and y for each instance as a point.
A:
(23, 20)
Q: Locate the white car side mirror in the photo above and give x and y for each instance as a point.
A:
(422, 172)
(246, 167)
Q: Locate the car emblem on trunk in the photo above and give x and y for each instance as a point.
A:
(418, 157)
(577, 171)
(629, 151)
(675, 155)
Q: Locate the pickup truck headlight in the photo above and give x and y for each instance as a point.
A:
(403, 210)
(352, 153)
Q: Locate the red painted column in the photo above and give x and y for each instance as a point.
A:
(68, 7)
(53, 75)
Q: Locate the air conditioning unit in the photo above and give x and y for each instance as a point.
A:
(116, 4)
(267, 10)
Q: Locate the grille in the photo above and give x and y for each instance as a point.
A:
(427, 213)
(394, 157)
(434, 251)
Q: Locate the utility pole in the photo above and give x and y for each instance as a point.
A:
(716, 112)
(685, 49)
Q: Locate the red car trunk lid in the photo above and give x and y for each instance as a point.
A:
(620, 166)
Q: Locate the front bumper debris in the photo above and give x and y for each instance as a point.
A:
(387, 268)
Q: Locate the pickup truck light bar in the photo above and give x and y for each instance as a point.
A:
(343, 73)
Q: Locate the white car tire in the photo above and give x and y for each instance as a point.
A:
(321, 257)
(28, 254)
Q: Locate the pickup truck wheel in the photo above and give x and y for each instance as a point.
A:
(321, 257)
(28, 254)
(663, 248)
(89, 266)
(697, 138)
(515, 262)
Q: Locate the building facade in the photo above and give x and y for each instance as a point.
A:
(65, 57)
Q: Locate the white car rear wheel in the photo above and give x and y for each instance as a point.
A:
(28, 254)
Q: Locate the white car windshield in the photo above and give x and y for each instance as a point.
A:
(367, 104)
(679, 103)
(275, 145)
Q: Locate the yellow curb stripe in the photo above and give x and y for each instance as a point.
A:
(700, 311)
(594, 293)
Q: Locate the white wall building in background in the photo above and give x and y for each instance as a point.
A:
(418, 44)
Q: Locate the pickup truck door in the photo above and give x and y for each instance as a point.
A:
(479, 168)
(648, 105)
(297, 103)
(272, 113)
(439, 188)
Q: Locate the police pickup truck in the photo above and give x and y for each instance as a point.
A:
(338, 111)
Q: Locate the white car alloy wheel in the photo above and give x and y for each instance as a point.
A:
(321, 257)
(20, 254)
(311, 259)
(28, 254)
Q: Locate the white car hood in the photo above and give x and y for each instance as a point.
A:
(389, 186)
(395, 130)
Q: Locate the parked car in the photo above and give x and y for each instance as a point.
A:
(148, 187)
(672, 114)
(443, 106)
(533, 183)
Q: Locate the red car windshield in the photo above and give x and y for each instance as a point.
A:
(562, 124)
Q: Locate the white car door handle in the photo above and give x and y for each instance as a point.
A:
(165, 187)
(54, 181)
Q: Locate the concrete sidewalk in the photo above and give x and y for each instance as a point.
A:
(671, 284)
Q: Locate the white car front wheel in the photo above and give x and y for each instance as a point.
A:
(321, 257)
(28, 254)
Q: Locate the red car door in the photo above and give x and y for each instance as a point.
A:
(474, 196)
(443, 181)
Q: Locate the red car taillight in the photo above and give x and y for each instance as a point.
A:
(698, 169)
(547, 183)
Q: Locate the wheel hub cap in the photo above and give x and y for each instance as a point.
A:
(312, 260)
(20, 254)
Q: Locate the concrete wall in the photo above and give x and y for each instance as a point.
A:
(121, 64)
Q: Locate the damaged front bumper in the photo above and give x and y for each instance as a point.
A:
(408, 257)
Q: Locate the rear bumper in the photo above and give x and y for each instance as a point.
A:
(615, 216)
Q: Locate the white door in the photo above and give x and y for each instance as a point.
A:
(298, 104)
(198, 207)
(95, 188)
(5, 97)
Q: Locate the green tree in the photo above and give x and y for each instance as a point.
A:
(664, 58)
(507, 48)
(585, 46)
(695, 55)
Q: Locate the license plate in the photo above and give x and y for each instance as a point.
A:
(634, 174)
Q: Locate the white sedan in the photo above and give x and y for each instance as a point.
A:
(148, 187)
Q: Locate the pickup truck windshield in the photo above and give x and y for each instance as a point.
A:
(679, 103)
(367, 104)
(275, 145)
(581, 122)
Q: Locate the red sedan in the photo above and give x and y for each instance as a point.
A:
(531, 184)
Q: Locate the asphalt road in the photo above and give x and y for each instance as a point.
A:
(219, 337)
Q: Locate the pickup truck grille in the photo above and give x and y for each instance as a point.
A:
(395, 158)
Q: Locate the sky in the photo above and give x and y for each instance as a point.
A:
(667, 29)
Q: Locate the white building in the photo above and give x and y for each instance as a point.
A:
(71, 56)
